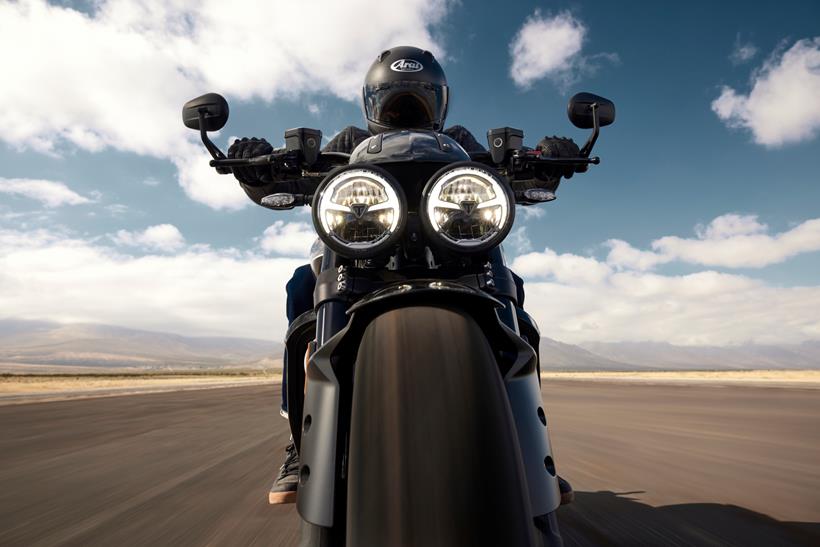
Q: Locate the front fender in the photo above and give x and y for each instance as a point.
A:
(327, 405)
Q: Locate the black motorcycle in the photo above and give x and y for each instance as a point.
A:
(423, 423)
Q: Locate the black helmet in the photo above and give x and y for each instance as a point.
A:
(405, 88)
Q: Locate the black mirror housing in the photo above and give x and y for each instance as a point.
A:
(579, 110)
(215, 108)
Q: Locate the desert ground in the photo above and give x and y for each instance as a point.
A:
(652, 464)
(17, 389)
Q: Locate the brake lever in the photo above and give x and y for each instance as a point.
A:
(534, 157)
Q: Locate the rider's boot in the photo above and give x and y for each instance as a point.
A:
(284, 487)
(567, 495)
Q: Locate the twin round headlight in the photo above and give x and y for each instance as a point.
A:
(467, 207)
(360, 211)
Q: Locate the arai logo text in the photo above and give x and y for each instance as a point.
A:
(406, 65)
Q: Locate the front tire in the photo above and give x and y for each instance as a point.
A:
(433, 453)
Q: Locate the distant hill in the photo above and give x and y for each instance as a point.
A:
(42, 345)
(559, 356)
(89, 345)
(663, 356)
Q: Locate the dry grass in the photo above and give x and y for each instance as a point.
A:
(58, 384)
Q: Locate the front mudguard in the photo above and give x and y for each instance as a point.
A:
(326, 416)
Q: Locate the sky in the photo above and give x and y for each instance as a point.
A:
(700, 226)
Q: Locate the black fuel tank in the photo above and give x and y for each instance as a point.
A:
(409, 146)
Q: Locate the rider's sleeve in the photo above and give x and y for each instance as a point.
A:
(463, 137)
(346, 140)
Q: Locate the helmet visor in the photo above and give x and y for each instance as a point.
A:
(406, 104)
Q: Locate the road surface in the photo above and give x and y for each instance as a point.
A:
(651, 464)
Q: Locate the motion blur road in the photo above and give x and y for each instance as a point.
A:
(651, 464)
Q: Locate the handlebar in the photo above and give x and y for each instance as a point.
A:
(532, 158)
(520, 161)
(278, 157)
(529, 156)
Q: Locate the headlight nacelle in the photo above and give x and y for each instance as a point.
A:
(466, 207)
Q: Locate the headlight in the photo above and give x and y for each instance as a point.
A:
(467, 207)
(359, 211)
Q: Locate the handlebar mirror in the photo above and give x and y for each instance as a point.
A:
(579, 110)
(215, 108)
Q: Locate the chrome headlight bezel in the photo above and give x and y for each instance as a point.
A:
(396, 202)
(431, 199)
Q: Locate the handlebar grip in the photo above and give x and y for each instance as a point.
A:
(244, 162)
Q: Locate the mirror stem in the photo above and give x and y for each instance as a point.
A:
(596, 128)
(216, 153)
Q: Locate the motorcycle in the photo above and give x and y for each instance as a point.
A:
(423, 422)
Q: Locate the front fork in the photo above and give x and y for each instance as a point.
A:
(524, 393)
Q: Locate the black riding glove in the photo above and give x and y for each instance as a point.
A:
(559, 147)
(251, 148)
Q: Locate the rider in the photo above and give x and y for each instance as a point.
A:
(405, 88)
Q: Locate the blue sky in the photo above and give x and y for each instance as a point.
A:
(714, 157)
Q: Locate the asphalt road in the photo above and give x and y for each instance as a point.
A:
(651, 464)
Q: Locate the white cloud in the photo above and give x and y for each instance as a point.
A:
(705, 308)
(550, 47)
(161, 237)
(117, 209)
(518, 240)
(49, 275)
(529, 212)
(622, 255)
(564, 268)
(742, 52)
(49, 193)
(782, 106)
(124, 71)
(731, 241)
(726, 226)
(577, 299)
(288, 238)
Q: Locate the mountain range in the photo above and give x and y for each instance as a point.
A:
(663, 356)
(43, 343)
(39, 345)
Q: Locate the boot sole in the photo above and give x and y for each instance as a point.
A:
(281, 498)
